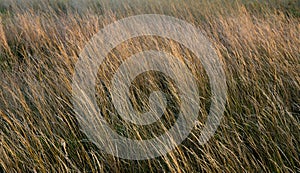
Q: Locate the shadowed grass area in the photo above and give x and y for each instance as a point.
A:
(258, 43)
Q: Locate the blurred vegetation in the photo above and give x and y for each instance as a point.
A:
(257, 41)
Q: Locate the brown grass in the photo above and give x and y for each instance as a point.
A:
(259, 132)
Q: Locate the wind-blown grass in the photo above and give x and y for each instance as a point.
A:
(258, 45)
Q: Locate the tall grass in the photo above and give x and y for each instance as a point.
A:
(258, 45)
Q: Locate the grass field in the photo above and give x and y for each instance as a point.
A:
(258, 43)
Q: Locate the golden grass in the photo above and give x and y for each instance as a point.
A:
(259, 132)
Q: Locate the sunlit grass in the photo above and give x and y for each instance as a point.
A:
(258, 45)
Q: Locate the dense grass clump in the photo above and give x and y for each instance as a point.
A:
(258, 44)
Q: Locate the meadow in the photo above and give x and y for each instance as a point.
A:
(258, 43)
